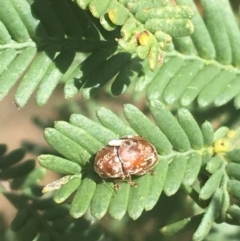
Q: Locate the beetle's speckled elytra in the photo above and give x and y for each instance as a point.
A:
(126, 156)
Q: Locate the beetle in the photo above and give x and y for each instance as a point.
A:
(125, 156)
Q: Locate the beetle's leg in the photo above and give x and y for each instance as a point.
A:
(152, 172)
(131, 182)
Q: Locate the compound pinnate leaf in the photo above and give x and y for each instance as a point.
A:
(100, 196)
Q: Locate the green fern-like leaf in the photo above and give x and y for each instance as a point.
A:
(182, 145)
(76, 50)
(100, 196)
(202, 81)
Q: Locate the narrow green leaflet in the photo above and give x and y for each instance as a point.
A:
(11, 158)
(7, 56)
(82, 197)
(103, 134)
(233, 170)
(175, 176)
(209, 217)
(182, 225)
(144, 127)
(214, 164)
(53, 75)
(101, 199)
(119, 201)
(20, 219)
(234, 212)
(59, 164)
(169, 69)
(18, 170)
(215, 24)
(113, 122)
(184, 76)
(64, 192)
(234, 155)
(207, 133)
(191, 128)
(220, 133)
(15, 69)
(33, 77)
(229, 93)
(157, 181)
(211, 185)
(56, 212)
(194, 164)
(213, 89)
(232, 30)
(201, 37)
(200, 80)
(65, 146)
(138, 196)
(28, 231)
(29, 180)
(97, 8)
(13, 22)
(167, 123)
(79, 136)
